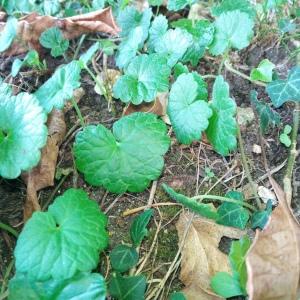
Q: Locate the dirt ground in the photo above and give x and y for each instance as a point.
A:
(184, 166)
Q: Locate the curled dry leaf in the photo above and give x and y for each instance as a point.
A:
(107, 80)
(31, 27)
(43, 175)
(273, 261)
(201, 258)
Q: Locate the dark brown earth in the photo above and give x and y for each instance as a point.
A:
(184, 166)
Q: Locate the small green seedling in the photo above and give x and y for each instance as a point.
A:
(284, 136)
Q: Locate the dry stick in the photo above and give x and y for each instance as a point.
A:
(156, 292)
(287, 180)
(246, 167)
(152, 193)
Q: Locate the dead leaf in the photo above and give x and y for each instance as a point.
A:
(201, 258)
(42, 176)
(158, 107)
(265, 194)
(273, 261)
(107, 80)
(31, 27)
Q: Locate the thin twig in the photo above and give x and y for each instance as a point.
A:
(152, 193)
(9, 229)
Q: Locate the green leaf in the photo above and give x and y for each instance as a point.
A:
(237, 257)
(127, 159)
(65, 240)
(123, 258)
(22, 132)
(284, 136)
(134, 29)
(263, 72)
(98, 4)
(225, 285)
(87, 56)
(222, 128)
(8, 34)
(232, 214)
(53, 39)
(31, 59)
(233, 29)
(158, 28)
(127, 288)
(260, 218)
(179, 4)
(155, 2)
(173, 44)
(179, 69)
(286, 26)
(230, 5)
(188, 112)
(108, 47)
(138, 228)
(177, 296)
(267, 116)
(204, 210)
(60, 87)
(145, 76)
(202, 32)
(283, 90)
(51, 7)
(83, 286)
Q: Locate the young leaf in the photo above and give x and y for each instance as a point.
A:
(53, 39)
(179, 4)
(177, 296)
(222, 128)
(127, 158)
(267, 116)
(22, 132)
(260, 218)
(60, 87)
(202, 32)
(263, 72)
(204, 210)
(237, 256)
(123, 258)
(134, 29)
(8, 34)
(230, 5)
(233, 29)
(31, 59)
(108, 47)
(284, 136)
(283, 90)
(188, 112)
(82, 286)
(179, 69)
(64, 240)
(158, 28)
(173, 44)
(127, 288)
(231, 214)
(145, 76)
(138, 228)
(226, 285)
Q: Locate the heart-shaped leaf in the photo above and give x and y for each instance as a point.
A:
(281, 91)
(158, 28)
(233, 29)
(127, 159)
(263, 72)
(83, 286)
(60, 87)
(188, 112)
(22, 132)
(64, 240)
(145, 76)
(123, 257)
(222, 128)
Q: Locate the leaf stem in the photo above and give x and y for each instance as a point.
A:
(230, 68)
(224, 199)
(287, 180)
(9, 229)
(246, 167)
(79, 46)
(208, 76)
(78, 112)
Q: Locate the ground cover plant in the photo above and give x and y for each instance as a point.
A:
(149, 149)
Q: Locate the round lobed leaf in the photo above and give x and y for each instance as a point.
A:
(127, 159)
(22, 133)
(64, 240)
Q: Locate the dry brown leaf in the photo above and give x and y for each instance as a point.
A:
(31, 27)
(158, 107)
(201, 258)
(273, 261)
(43, 175)
(107, 79)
